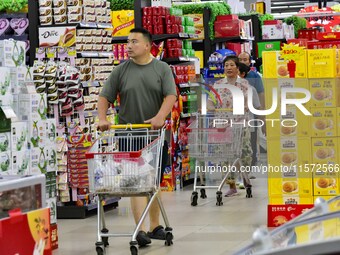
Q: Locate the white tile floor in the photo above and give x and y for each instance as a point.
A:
(201, 230)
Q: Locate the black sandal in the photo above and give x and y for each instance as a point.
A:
(157, 233)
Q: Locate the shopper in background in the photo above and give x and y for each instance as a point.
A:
(231, 70)
(147, 92)
(255, 80)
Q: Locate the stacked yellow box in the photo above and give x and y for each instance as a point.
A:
(306, 147)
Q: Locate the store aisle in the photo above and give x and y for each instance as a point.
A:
(201, 230)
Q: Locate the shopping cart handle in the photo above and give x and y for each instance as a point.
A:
(131, 126)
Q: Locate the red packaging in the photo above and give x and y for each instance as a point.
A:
(272, 22)
(149, 28)
(179, 52)
(227, 28)
(157, 20)
(178, 20)
(169, 43)
(300, 42)
(175, 29)
(21, 232)
(226, 17)
(178, 43)
(146, 20)
(168, 29)
(172, 20)
(236, 47)
(162, 10)
(168, 19)
(309, 34)
(165, 53)
(167, 10)
(158, 29)
(156, 11)
(324, 45)
(115, 50)
(185, 69)
(280, 214)
(147, 11)
(185, 78)
(325, 36)
(54, 236)
(171, 52)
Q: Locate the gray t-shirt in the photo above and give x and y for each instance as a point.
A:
(141, 88)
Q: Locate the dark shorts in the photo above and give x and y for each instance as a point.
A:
(138, 144)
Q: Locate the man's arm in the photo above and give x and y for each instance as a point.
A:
(103, 106)
(158, 121)
(262, 101)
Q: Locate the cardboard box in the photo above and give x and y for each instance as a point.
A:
(284, 125)
(325, 92)
(5, 163)
(290, 186)
(324, 151)
(236, 47)
(20, 162)
(226, 17)
(5, 86)
(272, 32)
(300, 41)
(229, 28)
(272, 22)
(200, 32)
(327, 185)
(5, 142)
(12, 53)
(323, 122)
(57, 36)
(276, 67)
(32, 107)
(267, 46)
(323, 44)
(122, 22)
(52, 204)
(21, 232)
(290, 200)
(198, 19)
(280, 214)
(323, 63)
(325, 36)
(290, 152)
(19, 136)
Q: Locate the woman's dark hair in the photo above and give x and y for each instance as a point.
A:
(232, 58)
(244, 68)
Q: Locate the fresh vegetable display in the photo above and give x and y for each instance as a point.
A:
(298, 23)
(215, 9)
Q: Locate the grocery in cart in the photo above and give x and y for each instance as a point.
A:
(126, 162)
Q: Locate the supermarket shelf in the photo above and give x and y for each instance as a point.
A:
(171, 36)
(187, 115)
(81, 212)
(95, 113)
(116, 39)
(95, 54)
(227, 39)
(188, 85)
(272, 40)
(179, 59)
(80, 25)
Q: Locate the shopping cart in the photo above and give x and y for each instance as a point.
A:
(213, 139)
(126, 162)
(315, 232)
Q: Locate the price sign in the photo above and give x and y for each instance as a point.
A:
(291, 52)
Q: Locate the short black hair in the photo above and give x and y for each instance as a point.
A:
(232, 58)
(147, 35)
(243, 68)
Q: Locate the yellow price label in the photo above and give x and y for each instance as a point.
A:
(291, 52)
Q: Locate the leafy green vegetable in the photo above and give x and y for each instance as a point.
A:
(264, 17)
(11, 5)
(299, 23)
(215, 10)
(117, 5)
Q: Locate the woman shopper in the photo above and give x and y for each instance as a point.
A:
(231, 71)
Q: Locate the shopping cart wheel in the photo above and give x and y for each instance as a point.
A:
(168, 239)
(203, 194)
(105, 239)
(194, 197)
(100, 250)
(248, 191)
(219, 198)
(134, 250)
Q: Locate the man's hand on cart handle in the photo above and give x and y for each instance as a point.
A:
(104, 125)
(156, 122)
